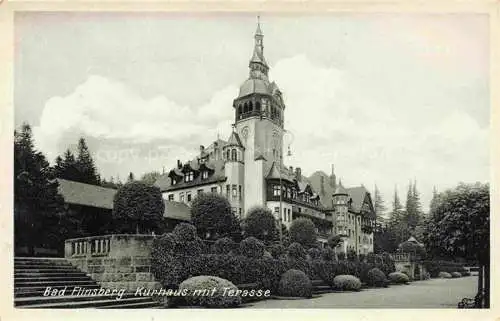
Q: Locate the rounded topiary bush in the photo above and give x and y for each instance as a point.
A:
(296, 251)
(198, 291)
(277, 250)
(444, 275)
(325, 270)
(347, 283)
(376, 278)
(314, 253)
(185, 232)
(295, 283)
(456, 274)
(223, 246)
(252, 247)
(465, 273)
(398, 278)
(328, 254)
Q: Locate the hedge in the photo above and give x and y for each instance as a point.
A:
(444, 275)
(434, 267)
(376, 278)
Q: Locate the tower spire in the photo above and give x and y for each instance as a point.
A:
(258, 65)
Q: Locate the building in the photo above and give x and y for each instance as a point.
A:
(249, 168)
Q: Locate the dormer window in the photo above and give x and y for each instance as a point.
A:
(174, 181)
(189, 177)
(204, 175)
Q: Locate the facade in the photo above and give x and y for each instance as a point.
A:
(248, 168)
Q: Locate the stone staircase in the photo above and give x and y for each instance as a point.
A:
(320, 287)
(32, 277)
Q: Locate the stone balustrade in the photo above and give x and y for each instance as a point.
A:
(114, 261)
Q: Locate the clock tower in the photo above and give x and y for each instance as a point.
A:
(259, 121)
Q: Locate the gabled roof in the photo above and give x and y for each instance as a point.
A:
(340, 190)
(101, 197)
(326, 192)
(217, 175)
(234, 140)
(274, 173)
(357, 194)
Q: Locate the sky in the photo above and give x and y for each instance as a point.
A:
(386, 98)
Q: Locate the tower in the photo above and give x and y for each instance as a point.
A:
(259, 118)
(341, 207)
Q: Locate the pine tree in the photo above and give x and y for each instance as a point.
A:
(379, 203)
(130, 177)
(85, 164)
(396, 220)
(38, 208)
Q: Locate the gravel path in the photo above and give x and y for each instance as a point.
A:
(434, 293)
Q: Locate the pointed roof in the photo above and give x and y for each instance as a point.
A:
(357, 194)
(234, 140)
(260, 157)
(340, 190)
(258, 32)
(274, 172)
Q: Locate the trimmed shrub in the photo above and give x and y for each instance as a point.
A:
(224, 245)
(444, 275)
(303, 231)
(398, 278)
(314, 253)
(185, 232)
(295, 283)
(456, 274)
(347, 283)
(465, 273)
(376, 278)
(328, 254)
(296, 251)
(260, 223)
(277, 250)
(199, 292)
(325, 270)
(252, 247)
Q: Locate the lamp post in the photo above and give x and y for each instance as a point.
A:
(289, 153)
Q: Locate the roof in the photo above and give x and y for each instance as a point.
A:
(177, 210)
(102, 197)
(165, 183)
(274, 172)
(234, 140)
(254, 85)
(357, 194)
(86, 194)
(324, 190)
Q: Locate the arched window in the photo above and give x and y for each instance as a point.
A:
(250, 108)
(245, 109)
(234, 155)
(228, 154)
(240, 111)
(257, 105)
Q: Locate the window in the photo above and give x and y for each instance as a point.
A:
(189, 177)
(204, 175)
(213, 189)
(170, 197)
(228, 154)
(359, 239)
(200, 191)
(235, 192)
(239, 209)
(276, 190)
(189, 197)
(277, 210)
(228, 190)
(234, 155)
(239, 192)
(181, 197)
(174, 181)
(289, 215)
(300, 209)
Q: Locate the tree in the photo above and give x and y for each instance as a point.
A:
(139, 208)
(130, 177)
(150, 178)
(211, 214)
(379, 203)
(260, 223)
(460, 227)
(38, 208)
(396, 220)
(303, 231)
(85, 164)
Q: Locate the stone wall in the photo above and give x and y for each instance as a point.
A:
(114, 261)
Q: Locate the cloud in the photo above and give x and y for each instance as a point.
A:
(331, 118)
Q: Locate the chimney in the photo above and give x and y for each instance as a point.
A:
(333, 179)
(298, 173)
(179, 164)
(322, 185)
(202, 149)
(290, 169)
